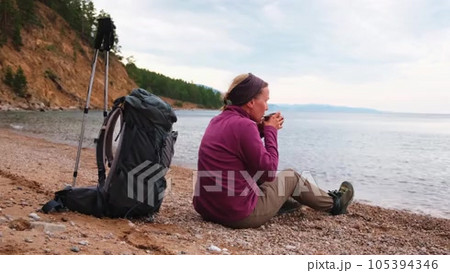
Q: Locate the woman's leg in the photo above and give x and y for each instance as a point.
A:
(309, 194)
(271, 197)
(274, 194)
(306, 193)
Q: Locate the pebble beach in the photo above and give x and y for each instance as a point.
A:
(32, 169)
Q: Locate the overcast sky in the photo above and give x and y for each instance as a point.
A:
(391, 55)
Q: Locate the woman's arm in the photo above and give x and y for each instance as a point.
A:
(259, 157)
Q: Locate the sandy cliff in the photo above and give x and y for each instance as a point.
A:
(55, 49)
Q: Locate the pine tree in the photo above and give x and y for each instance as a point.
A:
(16, 37)
(27, 11)
(20, 83)
(7, 15)
(9, 76)
(88, 19)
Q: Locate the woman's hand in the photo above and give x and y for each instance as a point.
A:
(275, 120)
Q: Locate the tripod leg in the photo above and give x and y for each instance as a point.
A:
(105, 108)
(86, 110)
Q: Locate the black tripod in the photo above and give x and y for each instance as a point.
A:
(104, 40)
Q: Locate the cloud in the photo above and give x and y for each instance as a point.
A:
(390, 55)
(273, 12)
(155, 34)
(209, 76)
(419, 87)
(187, 36)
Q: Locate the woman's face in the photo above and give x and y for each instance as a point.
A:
(259, 105)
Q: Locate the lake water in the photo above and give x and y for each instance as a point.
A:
(394, 160)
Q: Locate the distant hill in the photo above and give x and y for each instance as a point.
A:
(320, 108)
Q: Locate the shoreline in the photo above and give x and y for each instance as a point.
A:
(32, 169)
(41, 107)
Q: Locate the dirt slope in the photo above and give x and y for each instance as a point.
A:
(55, 49)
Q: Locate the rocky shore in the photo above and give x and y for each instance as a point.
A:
(31, 106)
(32, 169)
(40, 106)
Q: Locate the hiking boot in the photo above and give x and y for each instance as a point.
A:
(341, 198)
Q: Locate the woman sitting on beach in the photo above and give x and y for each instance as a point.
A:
(237, 185)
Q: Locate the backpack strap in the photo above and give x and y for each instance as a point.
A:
(168, 150)
(57, 203)
(109, 131)
(104, 151)
(115, 160)
(53, 205)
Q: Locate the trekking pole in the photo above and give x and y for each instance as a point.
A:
(108, 42)
(103, 41)
(105, 108)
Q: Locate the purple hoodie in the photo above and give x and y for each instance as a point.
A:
(231, 158)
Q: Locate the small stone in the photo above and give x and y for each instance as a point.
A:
(64, 219)
(28, 240)
(34, 216)
(49, 226)
(75, 249)
(72, 223)
(20, 224)
(214, 248)
(289, 247)
(47, 251)
(84, 243)
(107, 252)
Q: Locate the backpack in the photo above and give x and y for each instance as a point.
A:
(135, 184)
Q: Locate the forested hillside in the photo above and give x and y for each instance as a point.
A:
(46, 50)
(176, 89)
